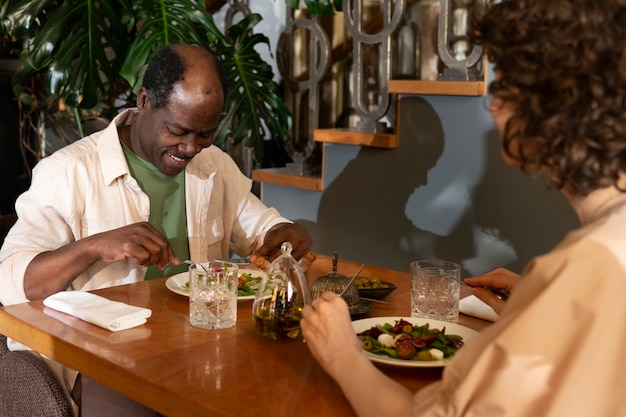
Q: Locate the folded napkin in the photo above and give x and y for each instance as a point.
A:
(474, 306)
(111, 315)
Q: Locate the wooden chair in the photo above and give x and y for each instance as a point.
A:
(28, 387)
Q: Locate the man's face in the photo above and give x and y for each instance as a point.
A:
(170, 136)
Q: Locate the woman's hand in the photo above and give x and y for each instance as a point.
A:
(500, 278)
(329, 334)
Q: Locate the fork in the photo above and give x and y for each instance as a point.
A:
(500, 293)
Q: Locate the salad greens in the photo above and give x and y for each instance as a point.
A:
(246, 285)
(403, 340)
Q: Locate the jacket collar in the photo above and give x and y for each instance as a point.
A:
(110, 150)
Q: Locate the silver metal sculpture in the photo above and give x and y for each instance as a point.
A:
(237, 6)
(318, 64)
(456, 61)
(368, 112)
(318, 48)
(452, 27)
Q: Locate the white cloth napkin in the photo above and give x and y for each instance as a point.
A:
(474, 306)
(108, 314)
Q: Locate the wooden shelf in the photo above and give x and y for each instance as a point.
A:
(345, 136)
(446, 88)
(280, 177)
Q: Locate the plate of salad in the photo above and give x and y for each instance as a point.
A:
(411, 341)
(249, 280)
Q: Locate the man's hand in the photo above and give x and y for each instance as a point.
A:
(53, 271)
(294, 233)
(139, 241)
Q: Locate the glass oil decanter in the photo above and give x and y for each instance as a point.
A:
(280, 298)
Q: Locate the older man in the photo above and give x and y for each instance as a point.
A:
(132, 201)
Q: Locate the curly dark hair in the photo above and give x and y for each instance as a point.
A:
(562, 63)
(165, 69)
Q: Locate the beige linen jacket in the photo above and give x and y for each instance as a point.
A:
(86, 188)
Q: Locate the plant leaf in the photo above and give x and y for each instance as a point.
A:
(91, 51)
(254, 109)
(72, 45)
(22, 19)
(319, 7)
(166, 22)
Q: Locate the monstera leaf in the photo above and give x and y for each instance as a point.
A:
(167, 22)
(77, 44)
(92, 51)
(254, 109)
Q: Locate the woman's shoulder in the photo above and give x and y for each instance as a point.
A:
(589, 256)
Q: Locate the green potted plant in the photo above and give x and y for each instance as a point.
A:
(84, 58)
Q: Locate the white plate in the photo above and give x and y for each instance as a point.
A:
(451, 328)
(175, 283)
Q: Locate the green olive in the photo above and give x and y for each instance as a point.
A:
(367, 345)
(424, 355)
(361, 282)
(374, 280)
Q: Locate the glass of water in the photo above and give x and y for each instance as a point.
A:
(213, 295)
(435, 290)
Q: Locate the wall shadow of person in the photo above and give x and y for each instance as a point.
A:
(362, 215)
(515, 213)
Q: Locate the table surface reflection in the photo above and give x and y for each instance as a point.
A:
(179, 370)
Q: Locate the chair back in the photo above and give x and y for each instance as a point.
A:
(27, 385)
(29, 388)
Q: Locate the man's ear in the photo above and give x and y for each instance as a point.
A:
(142, 99)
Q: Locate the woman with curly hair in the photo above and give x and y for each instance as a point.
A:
(559, 103)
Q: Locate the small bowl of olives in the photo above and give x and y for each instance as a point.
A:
(373, 287)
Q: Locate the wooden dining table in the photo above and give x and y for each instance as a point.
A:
(179, 370)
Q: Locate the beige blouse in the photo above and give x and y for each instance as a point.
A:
(559, 347)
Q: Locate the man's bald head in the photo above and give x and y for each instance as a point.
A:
(174, 64)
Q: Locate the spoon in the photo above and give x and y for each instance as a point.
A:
(345, 289)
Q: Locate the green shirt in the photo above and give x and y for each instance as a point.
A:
(167, 208)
